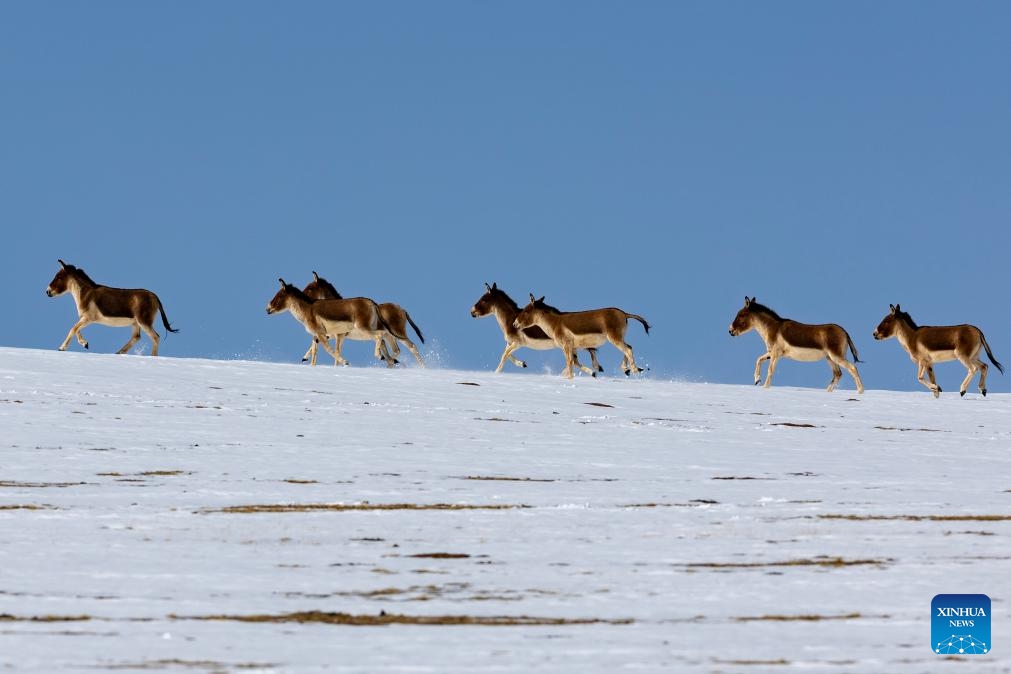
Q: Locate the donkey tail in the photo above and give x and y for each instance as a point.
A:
(989, 353)
(638, 318)
(164, 318)
(415, 326)
(853, 348)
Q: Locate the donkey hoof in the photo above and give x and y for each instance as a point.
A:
(628, 373)
(523, 363)
(85, 345)
(593, 374)
(983, 391)
(961, 394)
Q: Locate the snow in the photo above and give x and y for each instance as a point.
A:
(706, 528)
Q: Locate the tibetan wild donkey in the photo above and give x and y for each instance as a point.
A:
(931, 344)
(396, 318)
(355, 318)
(573, 330)
(496, 302)
(117, 307)
(799, 341)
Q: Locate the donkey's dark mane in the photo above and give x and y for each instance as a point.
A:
(503, 295)
(81, 276)
(328, 287)
(294, 290)
(907, 318)
(761, 308)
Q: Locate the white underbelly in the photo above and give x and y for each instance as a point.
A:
(807, 355)
(115, 321)
(941, 356)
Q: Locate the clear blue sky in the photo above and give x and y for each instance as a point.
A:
(664, 157)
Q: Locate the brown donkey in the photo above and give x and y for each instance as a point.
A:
(799, 341)
(117, 307)
(931, 344)
(496, 302)
(355, 318)
(573, 330)
(396, 318)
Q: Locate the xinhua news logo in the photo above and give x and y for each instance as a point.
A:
(960, 624)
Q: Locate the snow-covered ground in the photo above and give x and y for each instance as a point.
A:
(639, 525)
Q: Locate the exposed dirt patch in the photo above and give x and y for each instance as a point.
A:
(505, 478)
(599, 405)
(209, 665)
(924, 430)
(384, 618)
(8, 618)
(26, 506)
(920, 518)
(740, 477)
(467, 383)
(694, 503)
(511, 421)
(821, 561)
(292, 480)
(793, 424)
(440, 555)
(13, 484)
(757, 663)
(351, 507)
(164, 473)
(802, 618)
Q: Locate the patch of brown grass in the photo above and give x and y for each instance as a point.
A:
(793, 424)
(383, 618)
(919, 518)
(9, 618)
(821, 561)
(440, 555)
(354, 507)
(506, 479)
(38, 485)
(26, 506)
(799, 618)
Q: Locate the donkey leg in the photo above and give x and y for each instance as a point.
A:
(570, 355)
(154, 337)
(310, 351)
(392, 345)
(134, 336)
(983, 369)
(413, 348)
(338, 351)
(75, 331)
(507, 353)
(772, 368)
(575, 361)
(836, 375)
(758, 366)
(630, 365)
(382, 353)
(852, 369)
(932, 386)
(971, 372)
(593, 359)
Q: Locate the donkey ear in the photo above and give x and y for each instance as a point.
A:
(283, 284)
(542, 298)
(747, 301)
(532, 299)
(62, 263)
(895, 308)
(494, 285)
(315, 276)
(487, 287)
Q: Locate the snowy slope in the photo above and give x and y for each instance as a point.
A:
(655, 526)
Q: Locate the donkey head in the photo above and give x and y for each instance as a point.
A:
(61, 282)
(531, 313)
(886, 328)
(282, 300)
(744, 320)
(486, 303)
